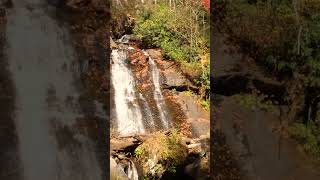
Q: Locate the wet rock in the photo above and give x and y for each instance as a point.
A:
(137, 57)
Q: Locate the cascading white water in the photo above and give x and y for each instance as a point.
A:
(132, 171)
(148, 111)
(157, 92)
(132, 111)
(128, 112)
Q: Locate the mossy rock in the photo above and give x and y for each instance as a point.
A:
(161, 153)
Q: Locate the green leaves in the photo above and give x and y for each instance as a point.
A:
(283, 37)
(308, 136)
(181, 33)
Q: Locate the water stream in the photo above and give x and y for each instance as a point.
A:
(133, 113)
(148, 112)
(128, 111)
(157, 92)
(132, 171)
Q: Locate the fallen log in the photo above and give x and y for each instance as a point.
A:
(130, 142)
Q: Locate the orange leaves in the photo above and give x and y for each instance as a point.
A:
(206, 4)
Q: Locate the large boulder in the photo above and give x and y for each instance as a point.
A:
(161, 153)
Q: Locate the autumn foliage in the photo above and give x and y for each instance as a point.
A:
(206, 4)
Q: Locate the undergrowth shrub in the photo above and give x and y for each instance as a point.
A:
(308, 136)
(161, 153)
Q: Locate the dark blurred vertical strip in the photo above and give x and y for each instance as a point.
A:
(9, 166)
(108, 99)
(103, 44)
(90, 31)
(222, 163)
(212, 60)
(90, 28)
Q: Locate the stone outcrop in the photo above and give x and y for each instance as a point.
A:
(195, 120)
(173, 77)
(195, 163)
(195, 114)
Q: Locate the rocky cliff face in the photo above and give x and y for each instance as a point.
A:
(186, 115)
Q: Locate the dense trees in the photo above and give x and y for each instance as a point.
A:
(181, 29)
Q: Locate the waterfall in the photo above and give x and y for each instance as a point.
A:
(132, 171)
(133, 114)
(157, 92)
(147, 110)
(128, 111)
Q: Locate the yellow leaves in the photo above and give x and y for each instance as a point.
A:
(205, 59)
(204, 54)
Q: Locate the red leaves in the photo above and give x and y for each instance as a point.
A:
(206, 4)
